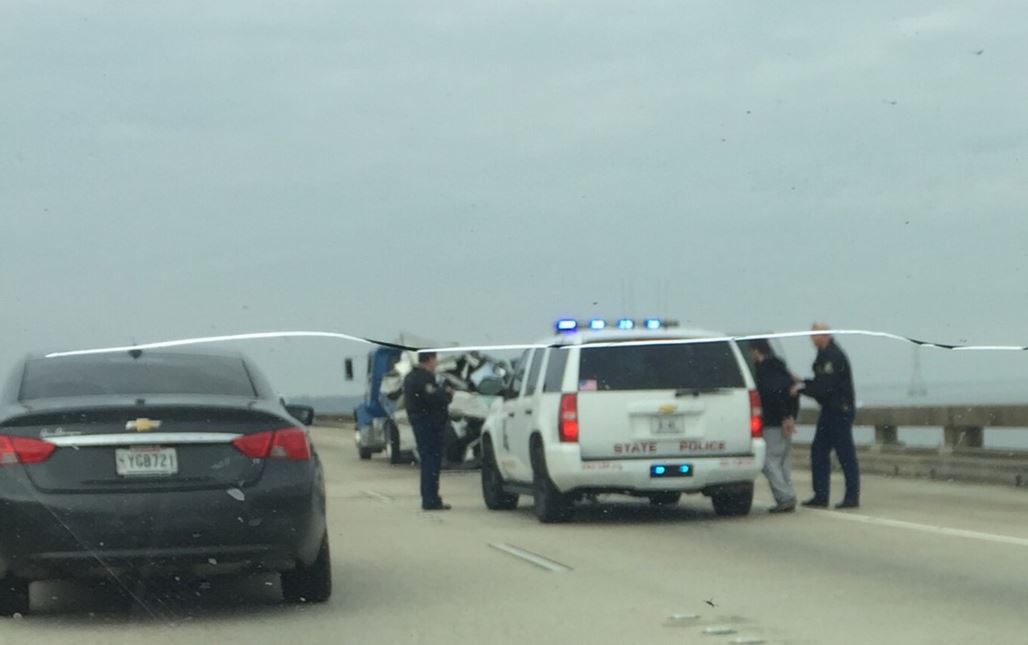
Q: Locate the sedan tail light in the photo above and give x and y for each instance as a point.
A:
(756, 415)
(287, 443)
(24, 450)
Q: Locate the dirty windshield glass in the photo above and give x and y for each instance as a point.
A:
(704, 366)
(288, 289)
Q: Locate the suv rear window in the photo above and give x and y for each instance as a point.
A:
(659, 367)
(113, 374)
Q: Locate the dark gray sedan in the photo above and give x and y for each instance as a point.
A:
(145, 464)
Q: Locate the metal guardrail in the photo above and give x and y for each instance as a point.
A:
(963, 425)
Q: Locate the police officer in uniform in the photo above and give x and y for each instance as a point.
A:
(427, 405)
(832, 388)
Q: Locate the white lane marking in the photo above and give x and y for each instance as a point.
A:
(925, 528)
(376, 495)
(532, 558)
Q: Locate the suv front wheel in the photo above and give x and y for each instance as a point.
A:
(496, 498)
(550, 504)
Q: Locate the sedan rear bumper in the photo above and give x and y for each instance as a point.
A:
(199, 531)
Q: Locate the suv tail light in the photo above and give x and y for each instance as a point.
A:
(756, 415)
(568, 420)
(287, 443)
(24, 450)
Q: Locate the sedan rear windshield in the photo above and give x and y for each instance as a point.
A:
(699, 366)
(123, 375)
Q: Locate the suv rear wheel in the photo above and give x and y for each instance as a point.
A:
(733, 501)
(550, 504)
(496, 499)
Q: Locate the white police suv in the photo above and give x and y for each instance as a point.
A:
(605, 407)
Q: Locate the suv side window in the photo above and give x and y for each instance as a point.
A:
(519, 375)
(555, 370)
(533, 373)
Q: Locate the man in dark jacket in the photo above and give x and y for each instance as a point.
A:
(427, 404)
(832, 388)
(780, 406)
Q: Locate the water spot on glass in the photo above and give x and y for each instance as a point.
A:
(236, 494)
(213, 560)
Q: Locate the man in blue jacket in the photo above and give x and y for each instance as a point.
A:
(780, 406)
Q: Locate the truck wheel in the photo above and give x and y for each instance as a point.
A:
(665, 499)
(14, 596)
(364, 453)
(496, 499)
(395, 455)
(453, 446)
(310, 584)
(733, 501)
(550, 504)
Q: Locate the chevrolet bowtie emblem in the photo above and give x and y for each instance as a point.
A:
(667, 408)
(142, 425)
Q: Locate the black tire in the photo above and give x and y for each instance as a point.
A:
(496, 498)
(310, 584)
(667, 498)
(453, 446)
(551, 505)
(733, 501)
(364, 453)
(14, 596)
(396, 456)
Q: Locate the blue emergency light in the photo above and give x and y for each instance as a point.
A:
(670, 470)
(567, 324)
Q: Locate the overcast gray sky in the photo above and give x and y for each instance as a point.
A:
(471, 170)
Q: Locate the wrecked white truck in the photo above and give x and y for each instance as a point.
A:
(382, 424)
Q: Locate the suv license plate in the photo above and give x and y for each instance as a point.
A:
(668, 425)
(141, 461)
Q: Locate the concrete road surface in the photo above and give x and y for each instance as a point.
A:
(922, 562)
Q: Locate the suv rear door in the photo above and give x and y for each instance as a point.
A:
(662, 400)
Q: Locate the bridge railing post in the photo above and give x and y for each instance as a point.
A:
(886, 435)
(956, 437)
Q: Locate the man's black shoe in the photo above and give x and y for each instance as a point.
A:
(848, 503)
(814, 502)
(437, 507)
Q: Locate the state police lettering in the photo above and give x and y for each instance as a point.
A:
(651, 447)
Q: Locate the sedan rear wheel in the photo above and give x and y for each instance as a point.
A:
(310, 584)
(14, 596)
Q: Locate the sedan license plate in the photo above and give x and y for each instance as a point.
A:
(668, 425)
(142, 461)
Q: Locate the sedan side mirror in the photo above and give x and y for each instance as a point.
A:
(302, 413)
(491, 386)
